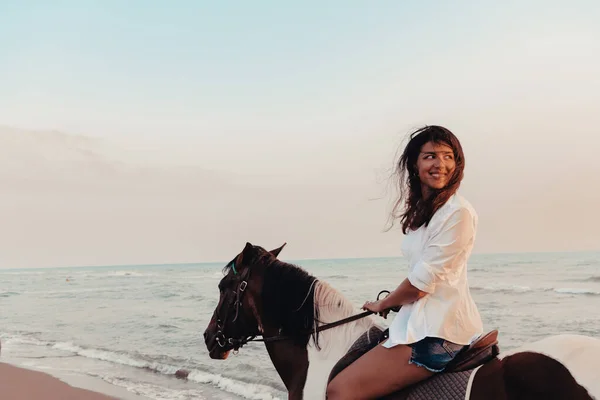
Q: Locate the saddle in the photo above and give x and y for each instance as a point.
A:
(479, 352)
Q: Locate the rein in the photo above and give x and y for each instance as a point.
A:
(237, 343)
(319, 329)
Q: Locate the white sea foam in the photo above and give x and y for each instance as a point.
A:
(24, 340)
(22, 272)
(525, 289)
(503, 288)
(153, 391)
(248, 390)
(116, 358)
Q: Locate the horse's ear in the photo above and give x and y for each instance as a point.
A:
(276, 251)
(244, 254)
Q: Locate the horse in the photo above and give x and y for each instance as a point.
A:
(311, 332)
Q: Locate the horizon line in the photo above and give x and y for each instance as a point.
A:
(292, 261)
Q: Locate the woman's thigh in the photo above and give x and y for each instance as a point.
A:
(379, 372)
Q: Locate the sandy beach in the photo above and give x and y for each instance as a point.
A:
(23, 384)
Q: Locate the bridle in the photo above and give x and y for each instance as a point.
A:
(221, 339)
(237, 342)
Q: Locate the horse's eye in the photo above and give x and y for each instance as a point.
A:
(224, 284)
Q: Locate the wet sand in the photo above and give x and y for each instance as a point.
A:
(23, 384)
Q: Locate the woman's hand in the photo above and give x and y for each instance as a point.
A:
(376, 307)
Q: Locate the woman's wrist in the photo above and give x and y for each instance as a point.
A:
(386, 303)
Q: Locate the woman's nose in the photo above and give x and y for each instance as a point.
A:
(439, 163)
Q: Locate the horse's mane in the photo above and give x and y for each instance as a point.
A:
(288, 299)
(296, 301)
(332, 306)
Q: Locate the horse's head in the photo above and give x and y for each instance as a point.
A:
(237, 315)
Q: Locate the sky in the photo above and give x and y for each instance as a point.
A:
(310, 98)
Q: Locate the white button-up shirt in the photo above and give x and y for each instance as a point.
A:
(437, 256)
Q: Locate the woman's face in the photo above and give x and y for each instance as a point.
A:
(435, 166)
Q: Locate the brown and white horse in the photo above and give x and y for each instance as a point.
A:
(263, 296)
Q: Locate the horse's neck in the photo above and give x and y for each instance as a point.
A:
(330, 306)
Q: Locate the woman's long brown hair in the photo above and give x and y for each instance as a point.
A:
(411, 208)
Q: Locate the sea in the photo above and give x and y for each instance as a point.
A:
(135, 326)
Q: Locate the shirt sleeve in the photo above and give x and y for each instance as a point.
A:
(453, 236)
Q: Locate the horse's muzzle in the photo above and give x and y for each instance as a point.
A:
(215, 344)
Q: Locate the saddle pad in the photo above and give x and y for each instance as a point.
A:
(443, 386)
(367, 340)
(448, 386)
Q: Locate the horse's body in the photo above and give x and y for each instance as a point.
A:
(295, 303)
(553, 368)
(578, 354)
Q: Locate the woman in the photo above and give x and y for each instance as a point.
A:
(438, 317)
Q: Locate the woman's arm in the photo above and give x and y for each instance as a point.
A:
(405, 293)
(451, 240)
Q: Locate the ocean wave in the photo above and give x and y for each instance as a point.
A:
(477, 269)
(131, 273)
(587, 263)
(23, 272)
(336, 277)
(103, 355)
(249, 390)
(168, 327)
(501, 288)
(581, 291)
(8, 294)
(154, 392)
(167, 295)
(100, 274)
(516, 289)
(195, 297)
(9, 339)
(594, 278)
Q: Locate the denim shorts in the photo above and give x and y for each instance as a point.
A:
(434, 353)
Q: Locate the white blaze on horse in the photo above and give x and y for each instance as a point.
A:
(311, 332)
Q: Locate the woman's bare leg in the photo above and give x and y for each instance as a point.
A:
(379, 372)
